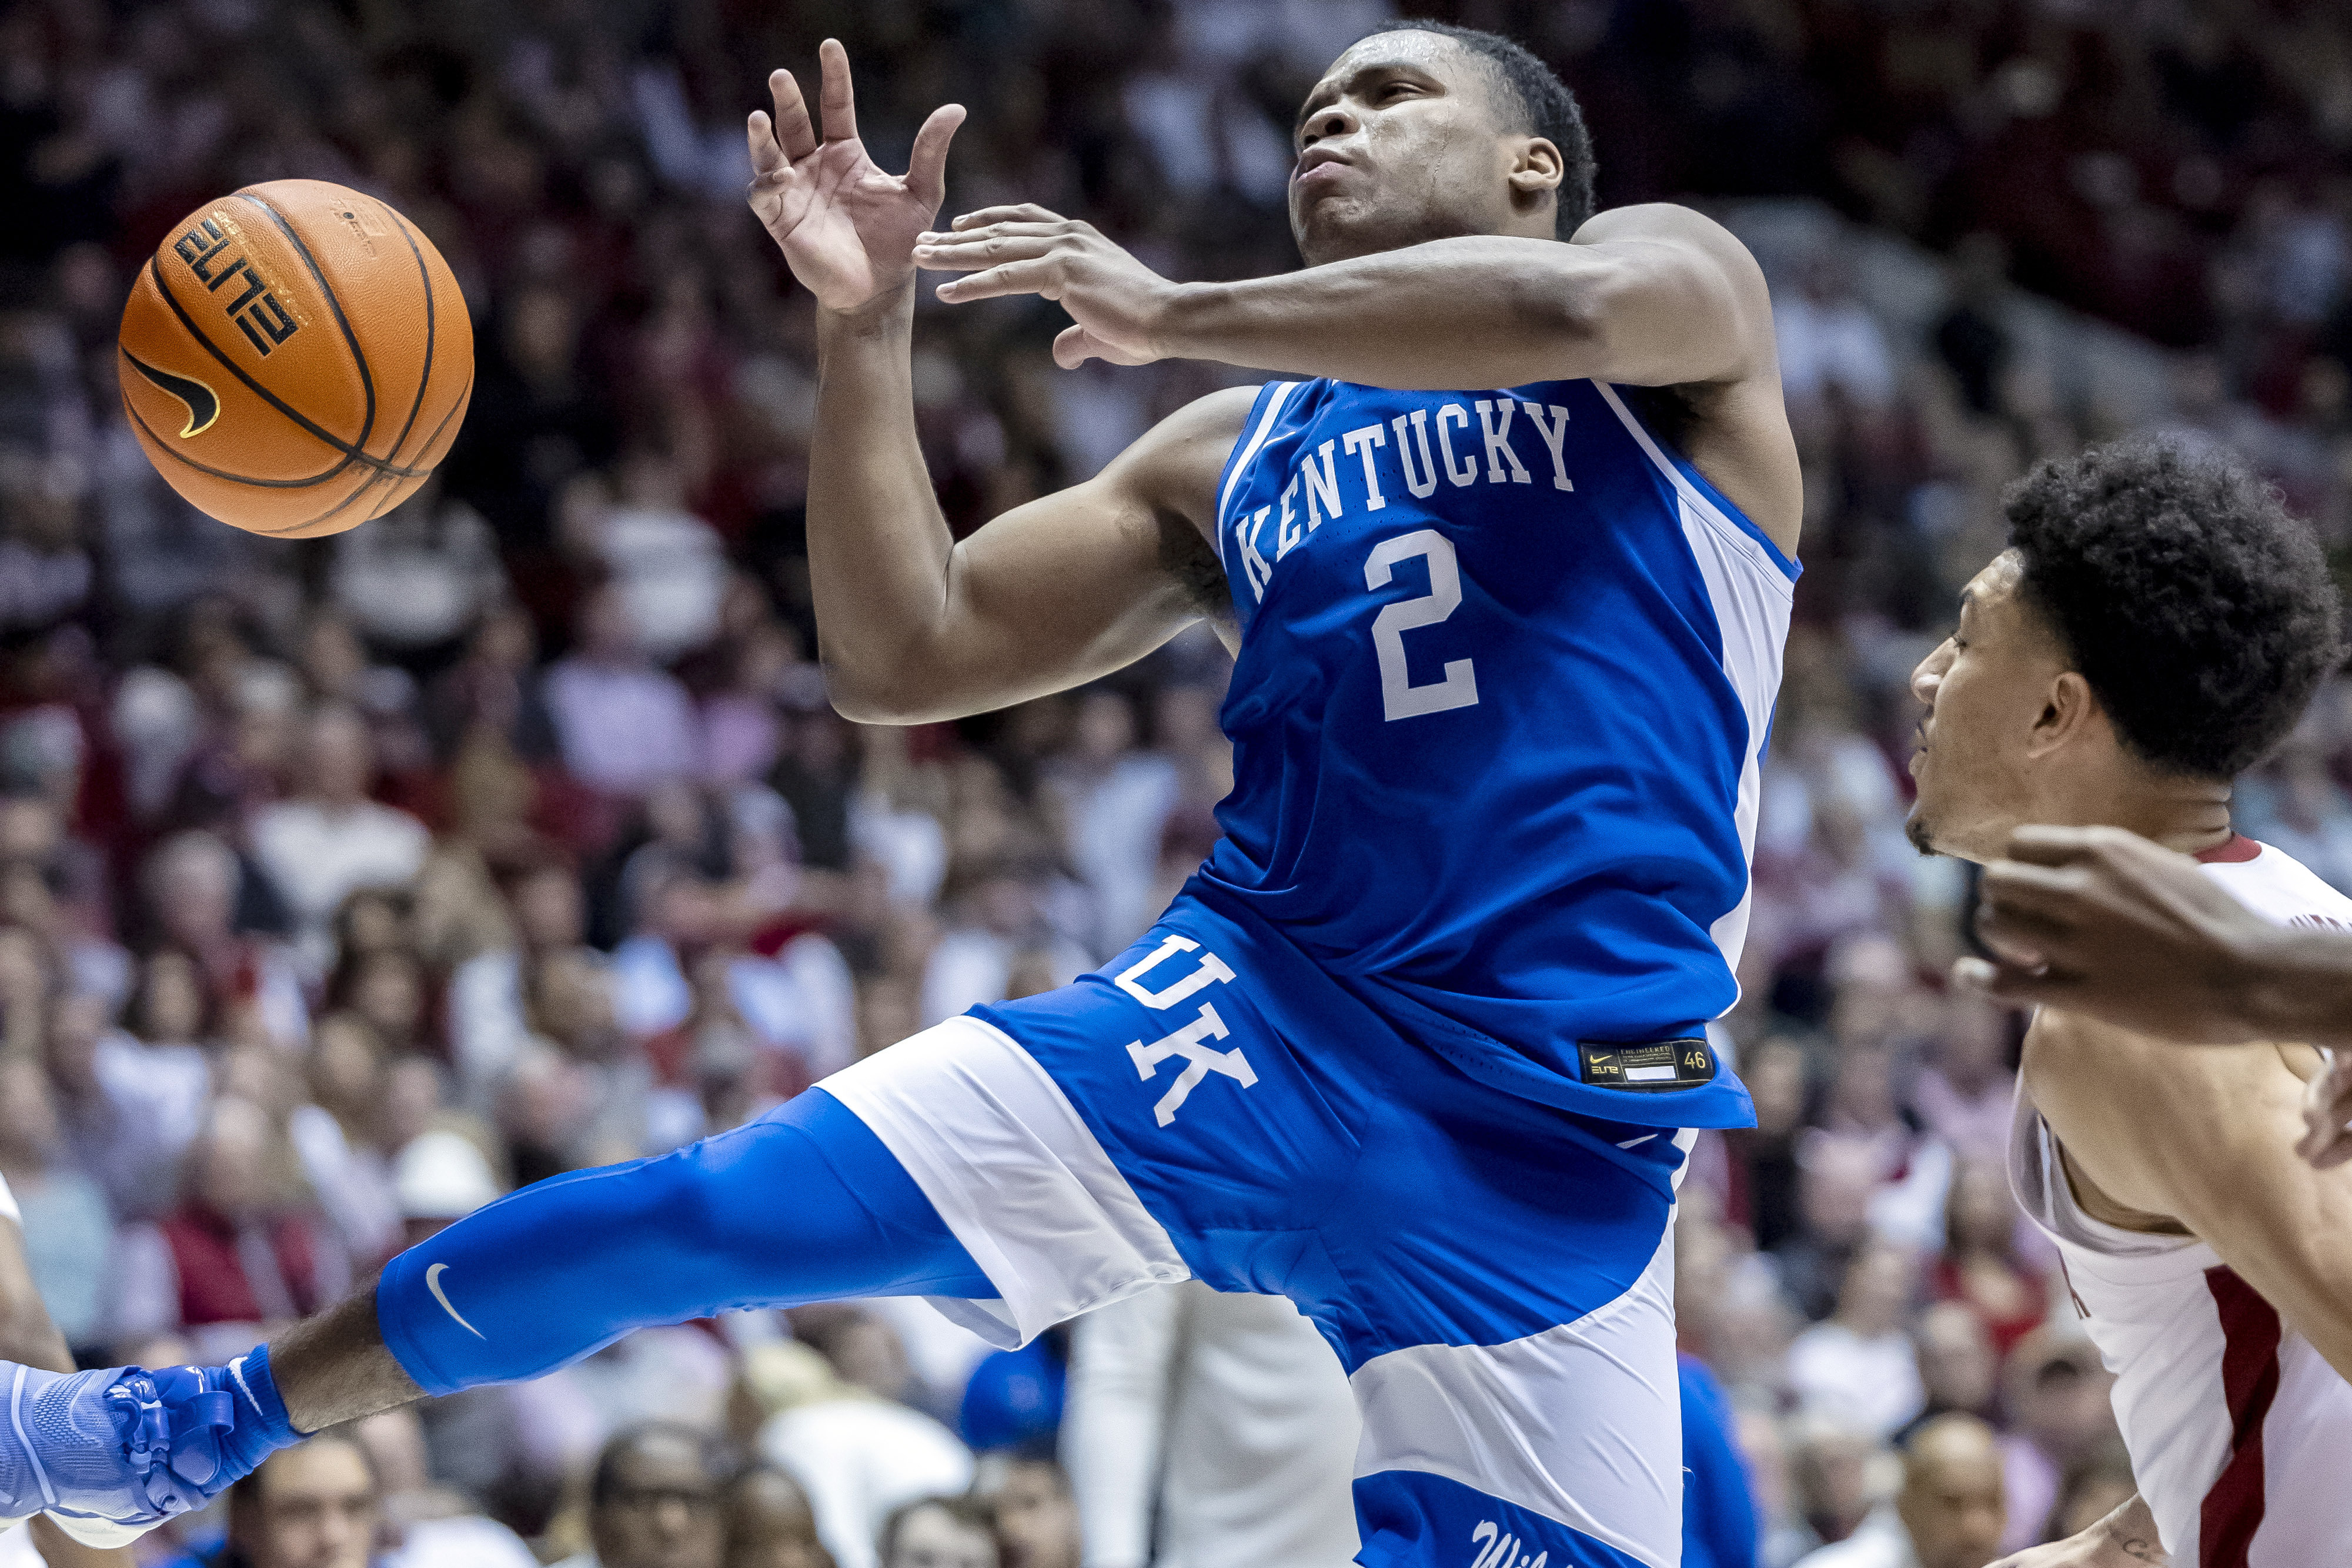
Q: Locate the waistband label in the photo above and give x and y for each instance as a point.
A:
(1646, 1066)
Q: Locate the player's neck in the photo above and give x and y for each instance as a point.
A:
(2183, 814)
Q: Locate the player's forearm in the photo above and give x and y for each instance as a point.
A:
(2297, 984)
(878, 547)
(1480, 312)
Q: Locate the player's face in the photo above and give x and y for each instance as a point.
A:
(1401, 142)
(1985, 687)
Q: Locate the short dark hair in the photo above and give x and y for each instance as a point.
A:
(2202, 614)
(711, 1452)
(1546, 105)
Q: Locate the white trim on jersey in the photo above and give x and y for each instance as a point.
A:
(1282, 390)
(1492, 1416)
(997, 1147)
(1752, 597)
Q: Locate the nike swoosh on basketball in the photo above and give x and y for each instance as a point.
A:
(433, 1283)
(203, 406)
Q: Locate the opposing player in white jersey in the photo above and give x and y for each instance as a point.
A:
(2159, 624)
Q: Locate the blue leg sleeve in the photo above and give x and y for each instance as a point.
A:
(805, 1205)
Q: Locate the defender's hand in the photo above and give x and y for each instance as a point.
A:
(1116, 300)
(2327, 1140)
(2102, 921)
(844, 226)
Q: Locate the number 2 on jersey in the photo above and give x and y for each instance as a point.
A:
(1399, 696)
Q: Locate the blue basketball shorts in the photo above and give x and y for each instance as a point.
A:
(1496, 1274)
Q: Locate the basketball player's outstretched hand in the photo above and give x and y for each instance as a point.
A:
(2101, 920)
(847, 228)
(1116, 300)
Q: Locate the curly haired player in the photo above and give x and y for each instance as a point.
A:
(2157, 625)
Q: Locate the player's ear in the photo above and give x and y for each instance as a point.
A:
(2068, 709)
(1535, 167)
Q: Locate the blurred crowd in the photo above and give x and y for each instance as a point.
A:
(347, 884)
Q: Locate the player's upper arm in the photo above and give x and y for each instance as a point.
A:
(1071, 586)
(1663, 295)
(2219, 1155)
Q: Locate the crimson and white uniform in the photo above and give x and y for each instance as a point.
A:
(2238, 1431)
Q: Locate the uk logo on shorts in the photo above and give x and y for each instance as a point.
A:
(1187, 1040)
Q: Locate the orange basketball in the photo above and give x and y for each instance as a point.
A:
(295, 358)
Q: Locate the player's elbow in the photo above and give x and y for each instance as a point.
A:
(881, 691)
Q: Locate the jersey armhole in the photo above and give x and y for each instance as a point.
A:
(1711, 503)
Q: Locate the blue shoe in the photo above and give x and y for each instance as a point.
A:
(109, 1455)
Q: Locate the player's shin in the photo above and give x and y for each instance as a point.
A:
(805, 1205)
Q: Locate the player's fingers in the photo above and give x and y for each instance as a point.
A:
(1073, 347)
(836, 100)
(992, 251)
(2326, 1106)
(982, 235)
(926, 169)
(1039, 277)
(794, 134)
(1025, 212)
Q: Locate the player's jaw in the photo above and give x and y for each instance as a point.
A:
(1974, 762)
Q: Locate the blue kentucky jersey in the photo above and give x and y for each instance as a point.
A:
(1506, 672)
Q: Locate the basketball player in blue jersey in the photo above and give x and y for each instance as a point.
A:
(1421, 1047)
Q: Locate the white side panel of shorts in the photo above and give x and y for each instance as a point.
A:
(1581, 1424)
(995, 1145)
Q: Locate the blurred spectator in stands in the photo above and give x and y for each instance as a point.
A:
(330, 839)
(1979, 1267)
(858, 1456)
(1949, 1513)
(1829, 344)
(2056, 1392)
(1002, 923)
(939, 1532)
(1832, 1468)
(2294, 804)
(129, 1109)
(625, 725)
(1966, 1093)
(194, 882)
(1970, 338)
(1205, 1428)
(67, 1230)
(493, 693)
(665, 564)
(657, 1500)
(415, 581)
(1114, 799)
(770, 1523)
(1836, 1181)
(240, 1249)
(1037, 1521)
(432, 1526)
(1858, 1367)
(1959, 1373)
(340, 1137)
(314, 1505)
